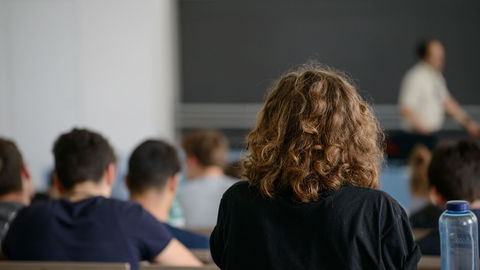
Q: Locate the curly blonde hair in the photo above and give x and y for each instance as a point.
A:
(314, 133)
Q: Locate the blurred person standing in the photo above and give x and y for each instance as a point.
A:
(206, 152)
(424, 96)
(16, 187)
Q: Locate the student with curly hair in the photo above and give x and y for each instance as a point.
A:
(311, 200)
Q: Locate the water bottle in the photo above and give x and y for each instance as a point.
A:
(458, 237)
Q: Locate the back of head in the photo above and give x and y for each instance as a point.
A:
(422, 47)
(314, 133)
(455, 170)
(419, 161)
(208, 146)
(11, 163)
(81, 155)
(151, 164)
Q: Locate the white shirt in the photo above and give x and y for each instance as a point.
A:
(423, 91)
(200, 199)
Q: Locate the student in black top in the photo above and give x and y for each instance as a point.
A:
(310, 201)
(85, 225)
(454, 174)
(153, 175)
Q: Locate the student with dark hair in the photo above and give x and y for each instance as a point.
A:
(16, 188)
(153, 175)
(206, 151)
(311, 200)
(85, 225)
(454, 174)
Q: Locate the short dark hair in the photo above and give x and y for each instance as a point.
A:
(151, 164)
(81, 155)
(422, 47)
(455, 170)
(209, 146)
(11, 163)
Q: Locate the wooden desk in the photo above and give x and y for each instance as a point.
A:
(430, 263)
(203, 231)
(203, 255)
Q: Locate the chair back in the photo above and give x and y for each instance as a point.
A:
(31, 265)
(160, 267)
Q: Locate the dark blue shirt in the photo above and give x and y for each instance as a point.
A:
(430, 243)
(95, 229)
(189, 239)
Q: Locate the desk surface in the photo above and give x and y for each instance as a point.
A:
(430, 263)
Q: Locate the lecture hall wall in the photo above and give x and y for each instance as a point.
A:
(108, 65)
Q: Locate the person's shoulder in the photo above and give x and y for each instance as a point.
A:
(238, 188)
(374, 196)
(35, 212)
(364, 191)
(121, 205)
(39, 207)
(416, 71)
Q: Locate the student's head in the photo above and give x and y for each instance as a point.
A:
(431, 51)
(153, 167)
(83, 156)
(314, 133)
(454, 172)
(206, 149)
(15, 180)
(419, 161)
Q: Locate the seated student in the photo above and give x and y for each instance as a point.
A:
(153, 175)
(310, 201)
(85, 225)
(427, 217)
(454, 174)
(206, 152)
(16, 188)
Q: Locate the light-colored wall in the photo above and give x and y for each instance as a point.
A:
(109, 65)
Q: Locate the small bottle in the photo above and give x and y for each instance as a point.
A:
(459, 237)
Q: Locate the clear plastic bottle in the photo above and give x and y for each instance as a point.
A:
(459, 237)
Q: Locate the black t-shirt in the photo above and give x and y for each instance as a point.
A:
(95, 229)
(426, 218)
(430, 243)
(352, 228)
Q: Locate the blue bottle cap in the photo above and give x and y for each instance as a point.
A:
(457, 206)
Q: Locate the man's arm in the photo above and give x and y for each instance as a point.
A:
(456, 112)
(175, 254)
(412, 118)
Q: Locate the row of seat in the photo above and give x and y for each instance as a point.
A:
(426, 263)
(21, 265)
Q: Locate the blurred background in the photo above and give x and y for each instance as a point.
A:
(158, 68)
